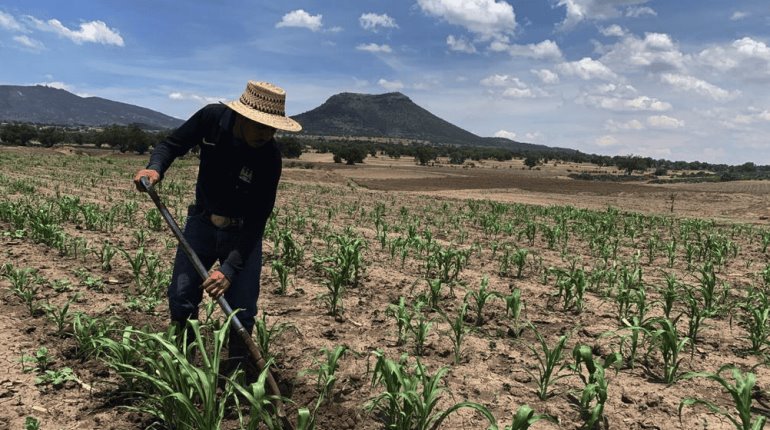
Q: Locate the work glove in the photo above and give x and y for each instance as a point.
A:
(152, 175)
(216, 284)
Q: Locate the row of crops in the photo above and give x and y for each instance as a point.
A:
(457, 314)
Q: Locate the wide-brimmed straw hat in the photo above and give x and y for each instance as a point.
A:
(265, 103)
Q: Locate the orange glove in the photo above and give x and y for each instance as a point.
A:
(216, 284)
(151, 174)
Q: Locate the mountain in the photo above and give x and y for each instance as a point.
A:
(46, 105)
(394, 115)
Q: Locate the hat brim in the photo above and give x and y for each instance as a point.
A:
(276, 121)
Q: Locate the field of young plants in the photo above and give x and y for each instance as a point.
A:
(378, 310)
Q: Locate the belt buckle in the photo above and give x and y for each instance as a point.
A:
(220, 221)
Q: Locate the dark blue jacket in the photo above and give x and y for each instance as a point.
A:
(234, 179)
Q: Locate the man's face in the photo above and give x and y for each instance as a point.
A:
(251, 132)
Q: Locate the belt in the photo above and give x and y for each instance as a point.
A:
(220, 221)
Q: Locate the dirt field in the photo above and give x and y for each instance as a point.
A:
(449, 207)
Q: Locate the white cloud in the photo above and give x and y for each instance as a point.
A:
(606, 140)
(506, 134)
(460, 44)
(545, 50)
(750, 48)
(636, 12)
(488, 19)
(92, 31)
(751, 118)
(374, 48)
(546, 76)
(301, 19)
(587, 69)
(622, 104)
(664, 122)
(370, 21)
(194, 97)
(657, 52)
(580, 10)
(632, 125)
(613, 31)
(738, 15)
(502, 81)
(390, 85)
(745, 58)
(520, 93)
(29, 43)
(698, 86)
(8, 22)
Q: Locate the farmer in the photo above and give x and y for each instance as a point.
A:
(240, 166)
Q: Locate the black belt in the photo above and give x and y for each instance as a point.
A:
(219, 221)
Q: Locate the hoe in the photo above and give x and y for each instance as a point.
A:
(234, 322)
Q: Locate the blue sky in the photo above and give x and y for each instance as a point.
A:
(682, 80)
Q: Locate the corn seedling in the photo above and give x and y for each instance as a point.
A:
(105, 255)
(434, 293)
(756, 320)
(670, 345)
(549, 364)
(458, 330)
(325, 371)
(59, 316)
(480, 299)
(420, 329)
(740, 391)
(525, 417)
(266, 335)
(410, 399)
(403, 317)
(594, 393)
(281, 271)
(31, 423)
(513, 308)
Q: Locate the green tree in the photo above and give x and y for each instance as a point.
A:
(290, 147)
(531, 161)
(424, 154)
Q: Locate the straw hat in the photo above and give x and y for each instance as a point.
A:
(265, 103)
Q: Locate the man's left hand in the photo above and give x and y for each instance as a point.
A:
(216, 284)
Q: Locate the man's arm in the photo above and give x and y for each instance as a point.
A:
(179, 142)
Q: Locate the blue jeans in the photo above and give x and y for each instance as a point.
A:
(211, 243)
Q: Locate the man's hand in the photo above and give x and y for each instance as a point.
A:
(216, 284)
(152, 175)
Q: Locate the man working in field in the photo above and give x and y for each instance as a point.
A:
(240, 166)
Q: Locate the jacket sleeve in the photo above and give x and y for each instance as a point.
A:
(179, 142)
(255, 221)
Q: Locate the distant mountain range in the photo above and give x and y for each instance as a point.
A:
(46, 105)
(395, 115)
(390, 115)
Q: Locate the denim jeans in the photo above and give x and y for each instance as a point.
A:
(211, 243)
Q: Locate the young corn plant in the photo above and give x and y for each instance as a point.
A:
(434, 293)
(594, 394)
(525, 417)
(741, 392)
(177, 392)
(25, 285)
(61, 317)
(458, 330)
(266, 335)
(513, 310)
(550, 364)
(411, 398)
(325, 371)
(105, 255)
(665, 338)
(420, 329)
(403, 316)
(281, 271)
(755, 318)
(480, 298)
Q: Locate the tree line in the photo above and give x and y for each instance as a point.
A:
(125, 138)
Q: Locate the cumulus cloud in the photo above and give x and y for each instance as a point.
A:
(606, 140)
(514, 88)
(613, 31)
(738, 15)
(301, 19)
(745, 58)
(460, 44)
(656, 52)
(371, 21)
(587, 69)
(664, 122)
(636, 12)
(506, 134)
(488, 19)
(29, 43)
(625, 104)
(546, 76)
(580, 10)
(751, 118)
(390, 85)
(698, 86)
(501, 81)
(91, 32)
(8, 22)
(374, 48)
(545, 50)
(632, 125)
